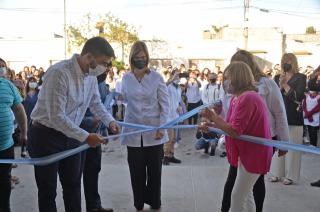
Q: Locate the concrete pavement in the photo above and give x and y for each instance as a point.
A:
(196, 185)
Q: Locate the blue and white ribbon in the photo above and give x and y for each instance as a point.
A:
(283, 145)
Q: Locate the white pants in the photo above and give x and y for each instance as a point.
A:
(289, 165)
(242, 188)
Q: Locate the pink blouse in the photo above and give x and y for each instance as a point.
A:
(248, 115)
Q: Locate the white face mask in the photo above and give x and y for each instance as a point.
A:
(100, 69)
(176, 81)
(3, 71)
(33, 85)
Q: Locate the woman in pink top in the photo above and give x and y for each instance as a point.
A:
(247, 115)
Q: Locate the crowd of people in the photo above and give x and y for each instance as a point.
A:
(69, 105)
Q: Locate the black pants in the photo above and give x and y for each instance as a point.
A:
(145, 164)
(193, 119)
(43, 141)
(5, 179)
(313, 135)
(259, 191)
(91, 162)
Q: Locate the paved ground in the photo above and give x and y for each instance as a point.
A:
(194, 186)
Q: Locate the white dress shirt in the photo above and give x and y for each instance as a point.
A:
(65, 96)
(193, 92)
(211, 93)
(148, 104)
(174, 101)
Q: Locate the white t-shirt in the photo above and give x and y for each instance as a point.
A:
(193, 92)
(310, 104)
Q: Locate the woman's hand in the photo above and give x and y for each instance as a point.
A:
(204, 126)
(283, 81)
(209, 114)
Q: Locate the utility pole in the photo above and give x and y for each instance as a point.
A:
(246, 20)
(65, 28)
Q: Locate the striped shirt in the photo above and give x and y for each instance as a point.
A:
(9, 97)
(65, 96)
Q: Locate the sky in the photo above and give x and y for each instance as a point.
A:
(171, 20)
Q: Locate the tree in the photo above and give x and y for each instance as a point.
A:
(310, 30)
(120, 32)
(107, 26)
(218, 29)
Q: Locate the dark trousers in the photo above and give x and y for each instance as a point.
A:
(259, 191)
(5, 179)
(313, 135)
(145, 164)
(91, 162)
(43, 141)
(193, 119)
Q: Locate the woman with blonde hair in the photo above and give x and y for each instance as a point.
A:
(147, 98)
(271, 95)
(292, 85)
(247, 115)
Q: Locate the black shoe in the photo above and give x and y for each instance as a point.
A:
(223, 154)
(166, 161)
(315, 184)
(101, 210)
(174, 160)
(206, 148)
(213, 151)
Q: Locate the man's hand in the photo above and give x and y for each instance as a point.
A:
(95, 140)
(159, 134)
(23, 138)
(114, 127)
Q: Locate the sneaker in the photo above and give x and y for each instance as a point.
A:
(213, 151)
(174, 160)
(166, 161)
(305, 140)
(24, 154)
(315, 184)
(223, 154)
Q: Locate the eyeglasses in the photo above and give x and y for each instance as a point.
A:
(107, 64)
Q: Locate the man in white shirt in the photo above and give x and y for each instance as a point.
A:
(213, 91)
(69, 88)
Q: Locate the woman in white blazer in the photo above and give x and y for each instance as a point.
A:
(147, 98)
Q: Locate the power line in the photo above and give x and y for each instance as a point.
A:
(290, 13)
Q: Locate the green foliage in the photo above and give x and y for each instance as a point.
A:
(310, 30)
(108, 26)
(118, 64)
(218, 29)
(75, 36)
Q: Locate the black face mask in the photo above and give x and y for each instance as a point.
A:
(102, 77)
(140, 64)
(286, 67)
(212, 80)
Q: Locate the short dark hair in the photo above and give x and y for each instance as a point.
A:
(98, 46)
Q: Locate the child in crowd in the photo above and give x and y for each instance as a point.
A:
(311, 108)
